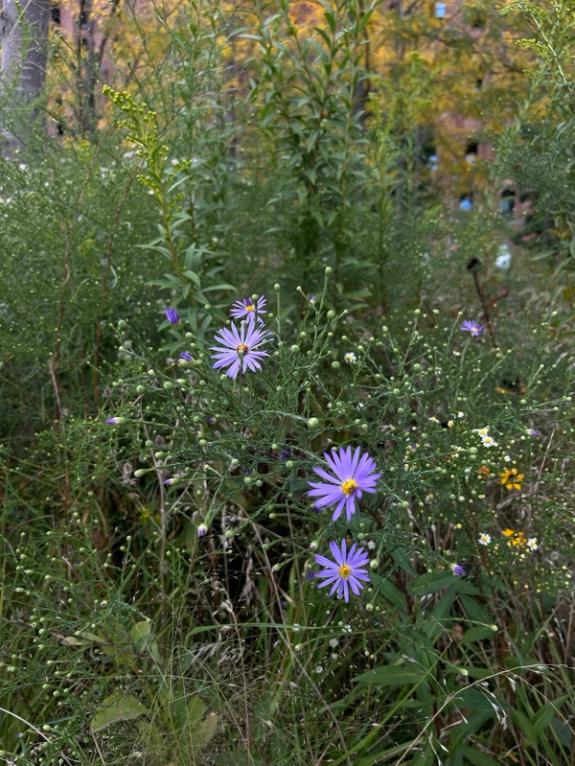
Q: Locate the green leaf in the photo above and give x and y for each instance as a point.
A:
(193, 277)
(479, 633)
(477, 758)
(400, 556)
(238, 758)
(431, 583)
(140, 632)
(195, 710)
(143, 641)
(526, 727)
(475, 611)
(438, 618)
(202, 734)
(391, 593)
(389, 675)
(117, 707)
(545, 715)
(186, 712)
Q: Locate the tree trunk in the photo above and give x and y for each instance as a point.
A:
(24, 39)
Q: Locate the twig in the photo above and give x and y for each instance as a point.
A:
(484, 306)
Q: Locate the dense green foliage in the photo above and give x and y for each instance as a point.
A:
(157, 600)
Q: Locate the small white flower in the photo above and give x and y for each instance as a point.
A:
(532, 543)
(484, 539)
(488, 441)
(350, 357)
(482, 431)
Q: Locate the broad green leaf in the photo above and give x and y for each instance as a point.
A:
(437, 622)
(526, 726)
(400, 556)
(477, 758)
(187, 711)
(140, 632)
(390, 591)
(474, 610)
(479, 633)
(389, 675)
(546, 714)
(431, 583)
(143, 641)
(202, 733)
(117, 707)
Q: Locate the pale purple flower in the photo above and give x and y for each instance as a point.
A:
(457, 570)
(186, 356)
(202, 530)
(238, 349)
(535, 432)
(247, 307)
(353, 473)
(348, 570)
(471, 326)
(172, 315)
(114, 421)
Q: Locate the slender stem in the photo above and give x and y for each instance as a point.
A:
(485, 307)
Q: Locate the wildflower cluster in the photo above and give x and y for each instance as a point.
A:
(239, 348)
(351, 471)
(352, 474)
(486, 439)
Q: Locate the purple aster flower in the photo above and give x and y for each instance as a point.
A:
(114, 421)
(186, 356)
(457, 570)
(535, 432)
(347, 571)
(238, 349)
(172, 315)
(472, 327)
(202, 530)
(247, 307)
(353, 474)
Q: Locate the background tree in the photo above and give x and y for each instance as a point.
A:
(23, 38)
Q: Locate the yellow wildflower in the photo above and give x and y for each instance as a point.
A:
(512, 479)
(515, 537)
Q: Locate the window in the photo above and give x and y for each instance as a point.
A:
(440, 10)
(507, 203)
(475, 18)
(433, 162)
(429, 156)
(471, 151)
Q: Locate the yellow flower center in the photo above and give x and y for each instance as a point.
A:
(344, 571)
(349, 486)
(242, 348)
(250, 307)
